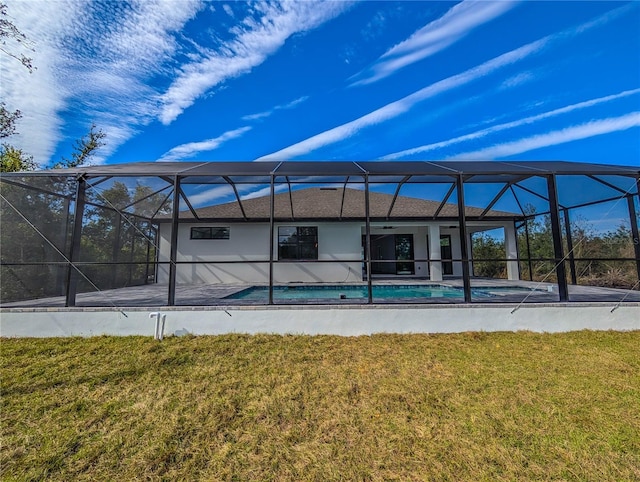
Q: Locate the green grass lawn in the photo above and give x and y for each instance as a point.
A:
(476, 406)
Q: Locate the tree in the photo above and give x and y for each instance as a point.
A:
(14, 160)
(83, 149)
(8, 121)
(487, 247)
(10, 33)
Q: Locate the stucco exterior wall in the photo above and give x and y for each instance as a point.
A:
(249, 243)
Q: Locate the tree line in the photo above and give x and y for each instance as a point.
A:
(595, 253)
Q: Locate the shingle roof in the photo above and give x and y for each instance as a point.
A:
(327, 203)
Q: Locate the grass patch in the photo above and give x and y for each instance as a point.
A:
(475, 406)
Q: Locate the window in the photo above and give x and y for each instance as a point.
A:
(209, 232)
(298, 242)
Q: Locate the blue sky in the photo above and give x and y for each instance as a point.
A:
(189, 80)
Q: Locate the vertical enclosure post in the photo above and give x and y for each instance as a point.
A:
(173, 255)
(272, 203)
(634, 227)
(462, 220)
(556, 234)
(74, 253)
(62, 274)
(367, 239)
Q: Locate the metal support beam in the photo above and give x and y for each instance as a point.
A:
(572, 260)
(34, 188)
(235, 191)
(148, 246)
(444, 201)
(395, 195)
(556, 233)
(74, 253)
(608, 184)
(145, 197)
(517, 200)
(462, 220)
(173, 255)
(100, 181)
(186, 200)
(290, 197)
(271, 235)
(161, 206)
(540, 195)
(495, 200)
(634, 227)
(344, 190)
(367, 242)
(61, 276)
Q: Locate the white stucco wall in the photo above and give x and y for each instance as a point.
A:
(249, 242)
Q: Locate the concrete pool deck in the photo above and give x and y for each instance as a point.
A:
(202, 310)
(154, 295)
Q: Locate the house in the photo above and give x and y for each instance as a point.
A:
(319, 235)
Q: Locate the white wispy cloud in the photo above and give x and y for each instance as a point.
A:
(394, 109)
(434, 37)
(518, 80)
(96, 61)
(93, 60)
(190, 149)
(267, 113)
(254, 41)
(228, 10)
(569, 134)
(509, 125)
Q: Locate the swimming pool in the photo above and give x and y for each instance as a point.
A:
(357, 292)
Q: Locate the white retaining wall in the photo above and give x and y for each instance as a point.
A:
(349, 321)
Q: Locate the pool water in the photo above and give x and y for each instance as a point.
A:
(356, 292)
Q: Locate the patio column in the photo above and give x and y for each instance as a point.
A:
(556, 233)
(511, 248)
(74, 253)
(175, 215)
(435, 265)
